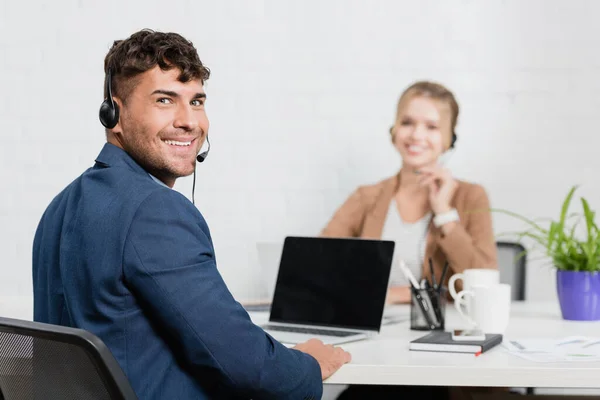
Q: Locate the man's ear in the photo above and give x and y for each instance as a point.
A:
(392, 134)
(119, 107)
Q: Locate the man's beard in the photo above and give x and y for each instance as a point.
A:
(152, 161)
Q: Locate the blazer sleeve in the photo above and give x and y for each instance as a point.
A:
(169, 264)
(471, 244)
(348, 219)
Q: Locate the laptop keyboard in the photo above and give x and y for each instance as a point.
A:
(311, 331)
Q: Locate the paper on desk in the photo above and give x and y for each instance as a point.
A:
(568, 349)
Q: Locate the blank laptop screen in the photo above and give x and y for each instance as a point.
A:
(332, 282)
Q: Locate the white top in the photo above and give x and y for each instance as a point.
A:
(410, 238)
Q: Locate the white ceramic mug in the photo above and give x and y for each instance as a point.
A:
(490, 306)
(470, 278)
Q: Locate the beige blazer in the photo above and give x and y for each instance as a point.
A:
(471, 244)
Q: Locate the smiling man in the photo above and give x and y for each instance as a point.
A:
(122, 255)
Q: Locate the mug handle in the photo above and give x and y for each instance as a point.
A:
(460, 303)
(451, 288)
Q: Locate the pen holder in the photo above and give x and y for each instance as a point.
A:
(427, 309)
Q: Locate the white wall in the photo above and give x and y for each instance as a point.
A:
(300, 101)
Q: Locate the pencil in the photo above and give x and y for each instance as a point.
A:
(443, 276)
(433, 282)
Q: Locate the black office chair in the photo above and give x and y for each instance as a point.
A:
(42, 361)
(512, 264)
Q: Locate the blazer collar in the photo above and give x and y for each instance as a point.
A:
(113, 156)
(382, 203)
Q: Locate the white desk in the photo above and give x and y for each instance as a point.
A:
(386, 360)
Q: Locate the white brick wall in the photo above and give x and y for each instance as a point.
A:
(300, 100)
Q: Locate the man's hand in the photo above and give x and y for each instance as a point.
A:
(330, 358)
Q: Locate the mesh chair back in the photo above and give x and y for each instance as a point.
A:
(42, 361)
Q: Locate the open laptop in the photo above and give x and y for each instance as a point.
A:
(269, 258)
(269, 255)
(332, 289)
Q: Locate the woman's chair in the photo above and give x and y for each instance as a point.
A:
(512, 263)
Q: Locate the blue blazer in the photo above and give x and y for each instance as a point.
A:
(132, 261)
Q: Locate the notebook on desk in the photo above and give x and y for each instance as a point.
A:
(442, 342)
(332, 289)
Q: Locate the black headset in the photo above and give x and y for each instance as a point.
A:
(109, 110)
(454, 138)
(109, 113)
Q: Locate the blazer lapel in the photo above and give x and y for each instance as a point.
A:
(376, 216)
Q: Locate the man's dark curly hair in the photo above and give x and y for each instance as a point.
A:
(146, 49)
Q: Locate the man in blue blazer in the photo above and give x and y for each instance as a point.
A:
(122, 255)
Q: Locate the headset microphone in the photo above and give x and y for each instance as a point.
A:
(202, 156)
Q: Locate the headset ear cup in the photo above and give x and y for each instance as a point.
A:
(109, 114)
(116, 114)
(109, 110)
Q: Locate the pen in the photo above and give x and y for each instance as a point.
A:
(414, 286)
(436, 293)
(424, 307)
(409, 275)
(433, 282)
(518, 345)
(443, 276)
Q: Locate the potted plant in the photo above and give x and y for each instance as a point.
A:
(574, 254)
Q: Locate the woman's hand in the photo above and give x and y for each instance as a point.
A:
(441, 186)
(398, 295)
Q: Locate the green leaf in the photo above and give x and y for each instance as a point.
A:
(520, 217)
(559, 243)
(565, 209)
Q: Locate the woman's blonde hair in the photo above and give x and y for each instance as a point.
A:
(434, 91)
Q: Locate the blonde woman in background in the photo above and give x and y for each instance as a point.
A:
(424, 209)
